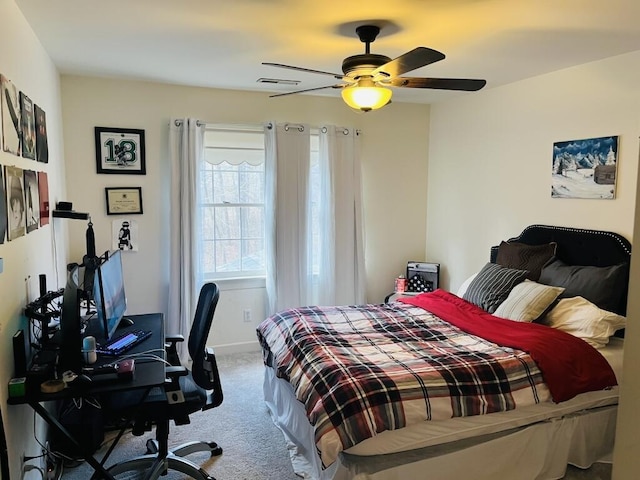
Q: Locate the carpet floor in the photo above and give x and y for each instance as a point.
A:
(254, 448)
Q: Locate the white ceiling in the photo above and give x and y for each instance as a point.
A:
(221, 44)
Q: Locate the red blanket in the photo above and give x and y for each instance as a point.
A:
(569, 365)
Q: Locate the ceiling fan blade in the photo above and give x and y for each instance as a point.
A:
(466, 84)
(301, 69)
(306, 90)
(416, 58)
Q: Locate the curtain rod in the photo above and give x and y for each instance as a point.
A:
(300, 127)
(251, 127)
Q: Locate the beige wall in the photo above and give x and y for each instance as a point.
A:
(25, 63)
(490, 159)
(394, 165)
(490, 171)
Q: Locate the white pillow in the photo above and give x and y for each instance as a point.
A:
(583, 319)
(527, 301)
(463, 288)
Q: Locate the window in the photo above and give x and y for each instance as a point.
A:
(232, 211)
(232, 183)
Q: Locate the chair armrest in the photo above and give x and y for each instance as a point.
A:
(209, 363)
(175, 372)
(170, 346)
(172, 382)
(210, 366)
(174, 338)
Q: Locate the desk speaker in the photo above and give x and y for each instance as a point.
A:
(19, 354)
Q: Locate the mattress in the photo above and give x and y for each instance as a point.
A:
(437, 432)
(289, 415)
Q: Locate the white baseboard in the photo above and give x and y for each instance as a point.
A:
(242, 347)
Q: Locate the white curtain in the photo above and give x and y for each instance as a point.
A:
(299, 271)
(341, 266)
(186, 146)
(287, 152)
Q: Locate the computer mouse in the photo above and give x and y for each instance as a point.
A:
(126, 322)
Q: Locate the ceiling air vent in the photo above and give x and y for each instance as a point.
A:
(278, 81)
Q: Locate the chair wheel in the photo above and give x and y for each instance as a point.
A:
(215, 449)
(152, 447)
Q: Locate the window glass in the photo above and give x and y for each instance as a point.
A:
(232, 182)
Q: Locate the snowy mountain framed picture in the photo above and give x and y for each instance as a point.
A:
(585, 168)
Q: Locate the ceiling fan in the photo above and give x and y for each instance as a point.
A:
(367, 76)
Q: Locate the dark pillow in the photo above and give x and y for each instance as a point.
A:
(492, 285)
(525, 257)
(604, 286)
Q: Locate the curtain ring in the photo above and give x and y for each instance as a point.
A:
(269, 126)
(323, 129)
(178, 123)
(345, 131)
(298, 126)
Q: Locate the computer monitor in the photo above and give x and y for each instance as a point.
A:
(109, 294)
(70, 357)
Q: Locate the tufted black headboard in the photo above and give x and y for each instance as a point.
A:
(579, 246)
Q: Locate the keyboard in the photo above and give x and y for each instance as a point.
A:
(122, 343)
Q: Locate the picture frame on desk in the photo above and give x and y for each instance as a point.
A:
(123, 200)
(120, 151)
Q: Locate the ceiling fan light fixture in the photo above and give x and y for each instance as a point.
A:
(365, 76)
(366, 97)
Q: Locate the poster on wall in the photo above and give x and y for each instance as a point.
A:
(120, 150)
(3, 209)
(15, 202)
(125, 235)
(10, 116)
(42, 144)
(585, 168)
(32, 201)
(43, 195)
(28, 127)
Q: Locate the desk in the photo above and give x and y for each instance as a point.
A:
(147, 375)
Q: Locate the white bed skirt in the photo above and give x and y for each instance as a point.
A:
(539, 451)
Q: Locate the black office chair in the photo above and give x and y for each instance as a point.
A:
(184, 393)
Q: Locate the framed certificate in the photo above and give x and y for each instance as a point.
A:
(123, 200)
(120, 150)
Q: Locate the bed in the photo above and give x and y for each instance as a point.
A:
(441, 384)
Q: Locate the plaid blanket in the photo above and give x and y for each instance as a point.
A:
(361, 370)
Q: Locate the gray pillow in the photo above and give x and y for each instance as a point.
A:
(492, 285)
(604, 286)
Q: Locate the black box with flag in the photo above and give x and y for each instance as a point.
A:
(422, 276)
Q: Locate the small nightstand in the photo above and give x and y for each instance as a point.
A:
(429, 274)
